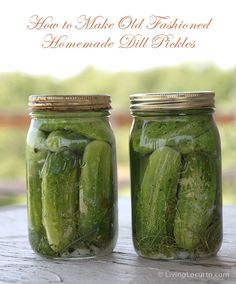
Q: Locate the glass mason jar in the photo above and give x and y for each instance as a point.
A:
(71, 176)
(175, 159)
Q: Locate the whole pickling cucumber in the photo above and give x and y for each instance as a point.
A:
(98, 129)
(182, 134)
(204, 142)
(157, 197)
(60, 199)
(95, 194)
(196, 197)
(59, 139)
(36, 153)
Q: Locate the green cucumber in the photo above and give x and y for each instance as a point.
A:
(196, 198)
(36, 153)
(59, 139)
(157, 197)
(60, 199)
(185, 135)
(98, 129)
(96, 191)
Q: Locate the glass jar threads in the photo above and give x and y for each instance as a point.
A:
(175, 160)
(71, 176)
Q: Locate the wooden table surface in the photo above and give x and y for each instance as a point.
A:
(19, 264)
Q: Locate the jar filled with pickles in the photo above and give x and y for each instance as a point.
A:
(175, 160)
(71, 176)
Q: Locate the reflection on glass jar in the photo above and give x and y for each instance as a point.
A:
(175, 160)
(71, 177)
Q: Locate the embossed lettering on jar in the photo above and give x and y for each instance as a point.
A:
(175, 160)
(71, 176)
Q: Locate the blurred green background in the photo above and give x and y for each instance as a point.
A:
(16, 87)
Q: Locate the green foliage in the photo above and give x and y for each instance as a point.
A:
(15, 88)
(12, 152)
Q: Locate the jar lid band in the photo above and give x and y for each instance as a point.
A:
(69, 102)
(172, 100)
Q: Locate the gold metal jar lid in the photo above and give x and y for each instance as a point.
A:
(172, 100)
(69, 102)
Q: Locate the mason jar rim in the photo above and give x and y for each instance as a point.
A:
(172, 100)
(76, 102)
